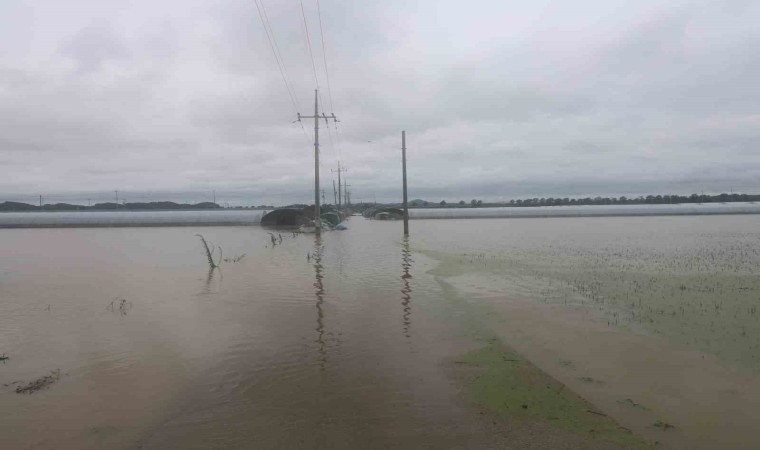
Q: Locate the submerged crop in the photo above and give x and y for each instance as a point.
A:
(702, 293)
(518, 390)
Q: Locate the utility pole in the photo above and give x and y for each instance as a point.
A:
(40, 202)
(316, 117)
(403, 166)
(335, 195)
(323, 195)
(345, 193)
(117, 196)
(339, 171)
(214, 194)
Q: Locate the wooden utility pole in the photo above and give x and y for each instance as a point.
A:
(316, 117)
(340, 200)
(403, 168)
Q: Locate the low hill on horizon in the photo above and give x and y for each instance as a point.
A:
(108, 206)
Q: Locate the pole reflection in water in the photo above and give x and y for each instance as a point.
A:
(319, 292)
(406, 298)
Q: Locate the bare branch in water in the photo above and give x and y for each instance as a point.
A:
(209, 252)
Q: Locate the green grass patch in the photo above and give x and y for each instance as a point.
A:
(516, 389)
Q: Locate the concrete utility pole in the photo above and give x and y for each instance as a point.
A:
(316, 117)
(339, 189)
(335, 195)
(40, 202)
(403, 166)
(345, 193)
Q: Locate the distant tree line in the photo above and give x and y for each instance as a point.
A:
(640, 200)
(623, 200)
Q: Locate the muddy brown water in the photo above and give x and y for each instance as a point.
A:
(309, 344)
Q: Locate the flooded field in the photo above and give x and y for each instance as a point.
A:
(492, 333)
(653, 319)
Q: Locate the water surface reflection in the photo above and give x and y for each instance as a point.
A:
(319, 291)
(406, 290)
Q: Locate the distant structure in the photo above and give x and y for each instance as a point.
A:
(285, 217)
(384, 213)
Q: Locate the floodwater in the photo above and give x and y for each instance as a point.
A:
(352, 340)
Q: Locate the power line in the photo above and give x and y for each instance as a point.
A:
(314, 69)
(314, 66)
(275, 51)
(324, 55)
(308, 43)
(278, 59)
(335, 145)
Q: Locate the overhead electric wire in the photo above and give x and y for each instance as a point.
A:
(275, 52)
(314, 69)
(335, 145)
(324, 55)
(278, 58)
(308, 44)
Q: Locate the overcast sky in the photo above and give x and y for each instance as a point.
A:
(500, 99)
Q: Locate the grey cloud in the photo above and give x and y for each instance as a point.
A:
(179, 98)
(94, 45)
